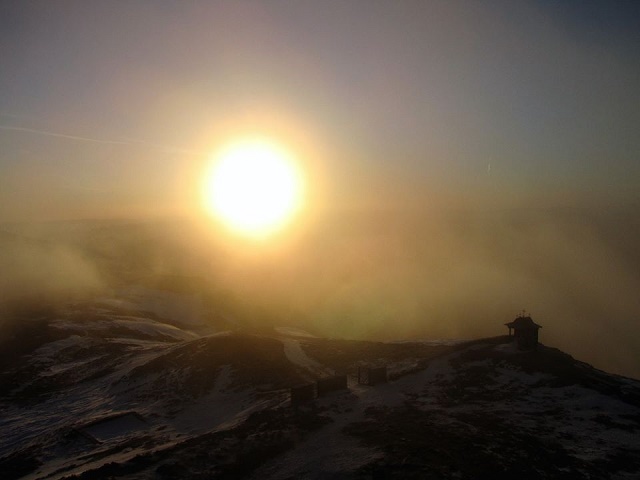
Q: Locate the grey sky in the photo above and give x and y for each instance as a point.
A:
(431, 91)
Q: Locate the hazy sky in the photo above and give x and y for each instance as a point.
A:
(109, 108)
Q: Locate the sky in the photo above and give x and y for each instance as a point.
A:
(110, 109)
(464, 160)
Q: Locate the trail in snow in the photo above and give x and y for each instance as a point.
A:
(329, 451)
(295, 354)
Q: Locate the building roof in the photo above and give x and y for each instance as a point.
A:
(523, 323)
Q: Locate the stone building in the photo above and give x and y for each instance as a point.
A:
(525, 332)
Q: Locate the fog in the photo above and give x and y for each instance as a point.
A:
(397, 274)
(36, 272)
(463, 275)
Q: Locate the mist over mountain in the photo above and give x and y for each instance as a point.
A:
(368, 275)
(164, 349)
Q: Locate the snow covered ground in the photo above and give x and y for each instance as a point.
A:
(117, 393)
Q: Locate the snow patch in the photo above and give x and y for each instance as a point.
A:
(294, 352)
(293, 332)
(114, 427)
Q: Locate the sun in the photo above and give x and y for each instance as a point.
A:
(254, 186)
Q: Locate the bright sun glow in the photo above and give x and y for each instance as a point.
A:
(254, 186)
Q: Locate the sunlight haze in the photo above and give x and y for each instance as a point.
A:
(254, 186)
(426, 168)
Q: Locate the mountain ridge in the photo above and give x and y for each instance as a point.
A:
(112, 395)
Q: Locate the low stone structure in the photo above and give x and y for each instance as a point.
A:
(372, 375)
(331, 384)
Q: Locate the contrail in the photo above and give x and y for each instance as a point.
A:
(11, 115)
(101, 141)
(61, 135)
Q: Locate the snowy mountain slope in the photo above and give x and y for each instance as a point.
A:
(109, 393)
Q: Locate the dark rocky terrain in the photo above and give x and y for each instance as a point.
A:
(110, 390)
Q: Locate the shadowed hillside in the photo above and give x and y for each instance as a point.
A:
(100, 394)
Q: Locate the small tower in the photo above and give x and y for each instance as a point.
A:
(525, 332)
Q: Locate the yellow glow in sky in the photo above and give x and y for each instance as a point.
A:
(254, 186)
